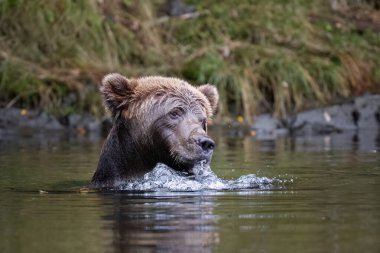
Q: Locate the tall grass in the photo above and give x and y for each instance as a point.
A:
(264, 56)
(49, 49)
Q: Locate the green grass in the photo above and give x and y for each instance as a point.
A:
(276, 56)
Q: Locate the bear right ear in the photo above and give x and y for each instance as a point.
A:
(211, 94)
(116, 90)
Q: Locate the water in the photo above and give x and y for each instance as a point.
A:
(164, 179)
(324, 197)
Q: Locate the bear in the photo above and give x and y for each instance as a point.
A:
(155, 120)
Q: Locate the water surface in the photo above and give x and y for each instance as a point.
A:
(328, 201)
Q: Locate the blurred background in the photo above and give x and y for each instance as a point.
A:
(278, 57)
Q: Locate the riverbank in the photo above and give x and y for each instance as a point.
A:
(277, 57)
(361, 113)
(24, 120)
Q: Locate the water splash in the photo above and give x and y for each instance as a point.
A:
(163, 178)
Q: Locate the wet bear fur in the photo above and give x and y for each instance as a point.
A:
(156, 120)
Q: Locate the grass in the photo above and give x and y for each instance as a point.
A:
(274, 56)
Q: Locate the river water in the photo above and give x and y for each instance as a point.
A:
(324, 198)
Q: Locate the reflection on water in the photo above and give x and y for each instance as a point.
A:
(332, 204)
(177, 223)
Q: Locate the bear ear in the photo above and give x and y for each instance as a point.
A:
(116, 89)
(211, 94)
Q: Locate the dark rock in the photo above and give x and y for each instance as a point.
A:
(316, 128)
(367, 107)
(267, 127)
(331, 119)
(341, 116)
(13, 118)
(265, 123)
(177, 8)
(85, 121)
(74, 120)
(64, 121)
(9, 117)
(361, 113)
(45, 120)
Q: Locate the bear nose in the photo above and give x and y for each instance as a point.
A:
(205, 143)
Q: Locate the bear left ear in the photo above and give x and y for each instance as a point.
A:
(116, 89)
(211, 94)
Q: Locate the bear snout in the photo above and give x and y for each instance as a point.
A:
(207, 145)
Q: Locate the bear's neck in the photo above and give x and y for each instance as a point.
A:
(121, 158)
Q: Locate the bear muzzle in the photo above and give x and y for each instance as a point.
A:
(207, 145)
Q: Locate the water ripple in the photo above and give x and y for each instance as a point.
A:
(163, 178)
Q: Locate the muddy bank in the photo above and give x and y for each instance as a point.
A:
(361, 113)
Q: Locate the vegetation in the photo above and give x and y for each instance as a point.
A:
(277, 56)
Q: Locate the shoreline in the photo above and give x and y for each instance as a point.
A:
(360, 113)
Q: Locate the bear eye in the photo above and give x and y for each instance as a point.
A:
(204, 124)
(176, 113)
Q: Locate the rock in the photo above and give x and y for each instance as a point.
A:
(367, 109)
(177, 8)
(12, 118)
(341, 116)
(9, 117)
(327, 120)
(265, 123)
(363, 113)
(47, 121)
(21, 118)
(85, 121)
(74, 120)
(267, 127)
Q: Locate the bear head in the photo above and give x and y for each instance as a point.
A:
(156, 119)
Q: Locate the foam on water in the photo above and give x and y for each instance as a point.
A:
(163, 178)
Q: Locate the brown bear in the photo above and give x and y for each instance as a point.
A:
(155, 120)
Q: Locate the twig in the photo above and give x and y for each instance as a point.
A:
(13, 101)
